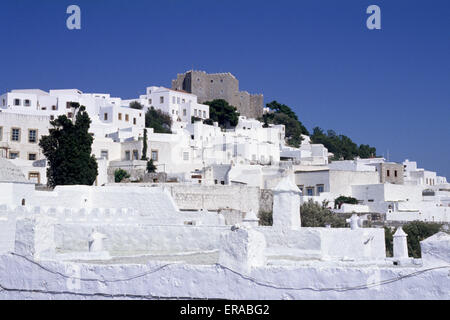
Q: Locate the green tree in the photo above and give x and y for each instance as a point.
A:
(265, 218)
(68, 149)
(223, 113)
(161, 122)
(389, 239)
(343, 199)
(136, 105)
(150, 166)
(144, 146)
(418, 231)
(366, 151)
(120, 174)
(341, 146)
(315, 215)
(282, 114)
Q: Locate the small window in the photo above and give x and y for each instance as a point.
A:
(32, 135)
(178, 100)
(104, 154)
(184, 112)
(135, 155)
(34, 177)
(388, 173)
(120, 116)
(301, 188)
(155, 155)
(310, 191)
(183, 100)
(134, 120)
(105, 116)
(52, 117)
(15, 134)
(70, 115)
(173, 100)
(27, 103)
(127, 155)
(17, 102)
(53, 107)
(185, 156)
(1, 133)
(127, 117)
(320, 188)
(161, 99)
(44, 108)
(204, 114)
(149, 101)
(68, 105)
(13, 155)
(32, 156)
(395, 173)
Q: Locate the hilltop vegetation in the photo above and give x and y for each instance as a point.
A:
(222, 112)
(341, 146)
(161, 122)
(282, 114)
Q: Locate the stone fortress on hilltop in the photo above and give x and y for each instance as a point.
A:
(210, 86)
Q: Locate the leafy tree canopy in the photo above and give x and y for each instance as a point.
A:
(418, 231)
(343, 199)
(222, 112)
(315, 215)
(68, 149)
(341, 146)
(136, 105)
(120, 174)
(282, 114)
(160, 121)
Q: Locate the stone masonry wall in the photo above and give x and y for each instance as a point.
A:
(225, 86)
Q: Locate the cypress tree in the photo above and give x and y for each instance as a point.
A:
(144, 147)
(68, 149)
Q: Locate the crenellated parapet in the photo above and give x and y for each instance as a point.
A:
(72, 215)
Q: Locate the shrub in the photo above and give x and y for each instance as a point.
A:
(120, 174)
(315, 215)
(150, 166)
(388, 238)
(136, 105)
(265, 218)
(418, 231)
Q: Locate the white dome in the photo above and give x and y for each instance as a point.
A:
(10, 172)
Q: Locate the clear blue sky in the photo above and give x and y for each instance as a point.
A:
(389, 88)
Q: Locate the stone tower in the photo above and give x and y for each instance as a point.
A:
(225, 86)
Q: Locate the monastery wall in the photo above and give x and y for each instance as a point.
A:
(153, 280)
(216, 197)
